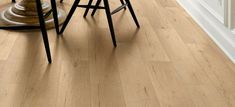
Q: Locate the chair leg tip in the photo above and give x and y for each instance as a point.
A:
(138, 25)
(84, 15)
(115, 45)
(60, 33)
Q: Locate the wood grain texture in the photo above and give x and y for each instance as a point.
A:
(169, 62)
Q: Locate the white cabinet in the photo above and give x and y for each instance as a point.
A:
(230, 14)
(215, 7)
(222, 10)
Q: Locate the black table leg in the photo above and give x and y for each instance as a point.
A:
(54, 11)
(43, 30)
(88, 7)
(96, 7)
(123, 3)
(72, 10)
(109, 17)
(132, 13)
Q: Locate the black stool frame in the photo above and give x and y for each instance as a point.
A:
(41, 26)
(107, 10)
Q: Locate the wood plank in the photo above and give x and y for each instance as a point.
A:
(7, 41)
(169, 61)
(181, 57)
(137, 86)
(169, 85)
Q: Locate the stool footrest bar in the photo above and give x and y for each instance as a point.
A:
(92, 6)
(47, 14)
(119, 8)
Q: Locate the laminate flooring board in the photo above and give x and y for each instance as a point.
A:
(169, 62)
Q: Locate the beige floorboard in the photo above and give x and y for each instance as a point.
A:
(169, 62)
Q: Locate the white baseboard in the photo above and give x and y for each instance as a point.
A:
(221, 35)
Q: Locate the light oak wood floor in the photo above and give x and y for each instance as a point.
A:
(169, 62)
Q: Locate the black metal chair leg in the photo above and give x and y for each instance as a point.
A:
(13, 1)
(72, 10)
(43, 29)
(123, 3)
(88, 7)
(132, 13)
(96, 7)
(54, 11)
(109, 17)
(61, 1)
